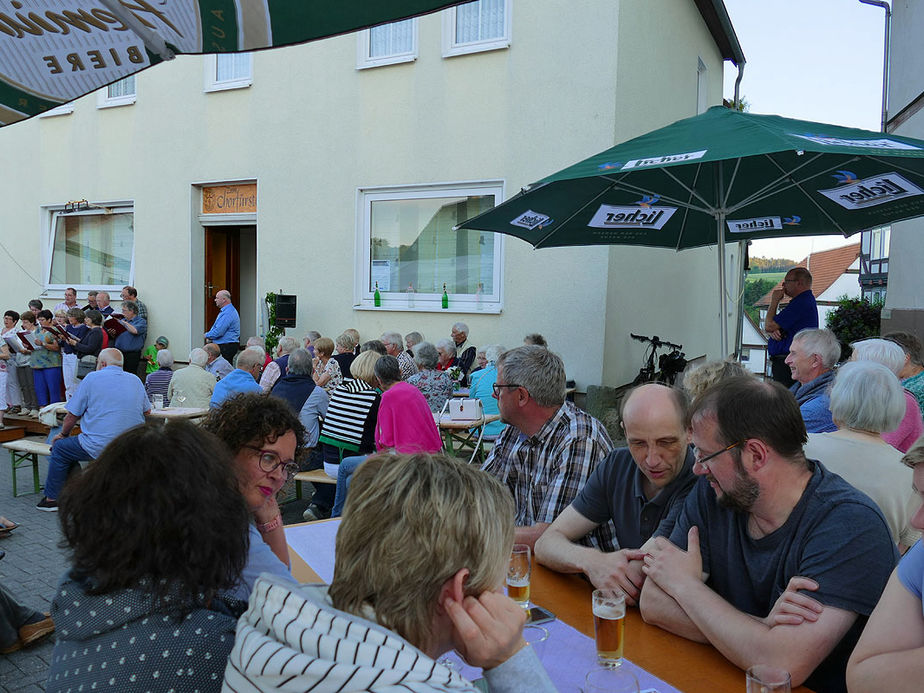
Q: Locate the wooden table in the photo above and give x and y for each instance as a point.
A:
(173, 413)
(688, 666)
(463, 435)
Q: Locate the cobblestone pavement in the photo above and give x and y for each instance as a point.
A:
(34, 563)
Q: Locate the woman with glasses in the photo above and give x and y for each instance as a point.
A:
(265, 438)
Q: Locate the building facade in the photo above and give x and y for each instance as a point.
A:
(327, 169)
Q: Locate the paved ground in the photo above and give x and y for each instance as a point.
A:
(34, 563)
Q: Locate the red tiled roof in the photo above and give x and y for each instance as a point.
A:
(826, 266)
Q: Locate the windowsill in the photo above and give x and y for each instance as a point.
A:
(64, 109)
(115, 103)
(480, 47)
(462, 307)
(229, 85)
(387, 60)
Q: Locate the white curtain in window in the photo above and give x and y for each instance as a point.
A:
(232, 66)
(124, 87)
(482, 20)
(396, 38)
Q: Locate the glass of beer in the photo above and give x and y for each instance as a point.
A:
(518, 572)
(762, 678)
(609, 625)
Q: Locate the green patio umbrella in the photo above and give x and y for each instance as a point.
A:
(52, 52)
(722, 176)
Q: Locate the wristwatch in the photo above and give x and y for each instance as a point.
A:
(275, 523)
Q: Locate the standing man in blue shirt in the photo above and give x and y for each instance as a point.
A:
(107, 403)
(226, 331)
(131, 342)
(800, 314)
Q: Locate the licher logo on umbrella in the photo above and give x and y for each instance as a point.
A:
(609, 165)
(762, 224)
(856, 194)
(645, 215)
(878, 143)
(531, 220)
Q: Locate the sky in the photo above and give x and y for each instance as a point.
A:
(815, 60)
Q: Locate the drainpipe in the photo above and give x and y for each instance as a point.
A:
(738, 82)
(885, 57)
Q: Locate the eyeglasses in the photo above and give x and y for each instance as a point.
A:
(703, 460)
(269, 461)
(497, 387)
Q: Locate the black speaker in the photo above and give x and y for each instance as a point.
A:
(285, 310)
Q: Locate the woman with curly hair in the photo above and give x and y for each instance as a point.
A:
(266, 439)
(157, 531)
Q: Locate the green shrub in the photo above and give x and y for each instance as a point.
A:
(854, 318)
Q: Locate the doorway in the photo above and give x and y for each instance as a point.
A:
(230, 263)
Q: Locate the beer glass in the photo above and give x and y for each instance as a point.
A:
(609, 625)
(518, 572)
(158, 401)
(610, 680)
(762, 678)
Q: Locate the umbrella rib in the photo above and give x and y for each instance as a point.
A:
(628, 187)
(894, 165)
(731, 183)
(812, 200)
(709, 209)
(580, 209)
(686, 211)
(764, 193)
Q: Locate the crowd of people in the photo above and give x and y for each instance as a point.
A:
(763, 518)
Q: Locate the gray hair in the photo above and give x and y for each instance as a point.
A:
(287, 345)
(110, 357)
(540, 371)
(387, 370)
(300, 362)
(255, 341)
(700, 379)
(164, 358)
(492, 352)
(198, 357)
(254, 349)
(909, 343)
(461, 327)
(393, 338)
(868, 396)
(821, 342)
(130, 305)
(446, 345)
(312, 335)
(250, 357)
(413, 338)
(426, 356)
(883, 351)
(345, 343)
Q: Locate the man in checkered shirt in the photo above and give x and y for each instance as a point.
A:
(549, 449)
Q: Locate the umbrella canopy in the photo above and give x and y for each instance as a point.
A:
(718, 177)
(53, 51)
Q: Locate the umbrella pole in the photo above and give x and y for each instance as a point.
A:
(723, 305)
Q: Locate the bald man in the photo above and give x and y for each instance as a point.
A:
(640, 488)
(226, 331)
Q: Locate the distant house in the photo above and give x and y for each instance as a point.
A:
(835, 273)
(753, 346)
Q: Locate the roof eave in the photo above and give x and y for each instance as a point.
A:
(720, 26)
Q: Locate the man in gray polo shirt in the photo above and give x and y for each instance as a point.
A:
(640, 488)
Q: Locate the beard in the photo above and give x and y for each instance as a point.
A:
(742, 495)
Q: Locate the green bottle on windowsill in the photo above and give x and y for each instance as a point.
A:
(445, 298)
(377, 297)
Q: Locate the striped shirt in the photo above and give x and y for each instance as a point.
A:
(351, 414)
(545, 471)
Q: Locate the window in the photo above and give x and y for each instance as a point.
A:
(702, 87)
(387, 44)
(228, 71)
(91, 248)
(483, 25)
(745, 354)
(410, 250)
(121, 93)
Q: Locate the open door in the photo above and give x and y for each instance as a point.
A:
(222, 267)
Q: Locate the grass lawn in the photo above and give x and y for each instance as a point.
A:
(774, 277)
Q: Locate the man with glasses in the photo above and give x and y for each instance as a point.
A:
(634, 494)
(800, 313)
(762, 529)
(265, 437)
(550, 448)
(108, 402)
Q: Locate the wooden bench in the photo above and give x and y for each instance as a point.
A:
(22, 454)
(316, 476)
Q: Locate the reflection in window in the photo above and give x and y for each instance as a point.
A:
(92, 249)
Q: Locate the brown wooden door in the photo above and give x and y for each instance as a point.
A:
(222, 267)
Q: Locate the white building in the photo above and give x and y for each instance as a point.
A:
(321, 169)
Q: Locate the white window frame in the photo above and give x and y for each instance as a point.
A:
(424, 302)
(63, 109)
(49, 215)
(103, 100)
(702, 87)
(451, 48)
(364, 62)
(212, 83)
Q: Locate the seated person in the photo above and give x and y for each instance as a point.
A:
(435, 385)
(344, 356)
(634, 494)
(482, 388)
(912, 372)
(427, 592)
(157, 531)
(265, 438)
(697, 380)
(867, 399)
(812, 357)
(192, 386)
(761, 521)
(890, 653)
(465, 354)
(20, 626)
(404, 424)
(242, 379)
(890, 355)
(376, 345)
(296, 386)
(158, 382)
(536, 339)
(550, 448)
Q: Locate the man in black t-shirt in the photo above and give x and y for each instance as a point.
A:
(640, 488)
(762, 526)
